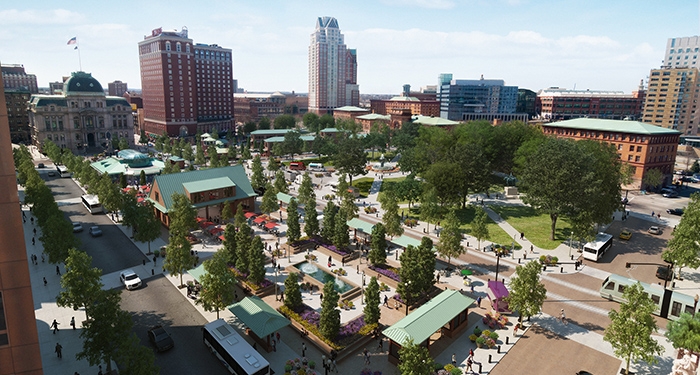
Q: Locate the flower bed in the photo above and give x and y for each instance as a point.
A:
(410, 222)
(483, 338)
(366, 371)
(349, 333)
(340, 271)
(549, 260)
(300, 367)
(370, 210)
(389, 272)
(495, 321)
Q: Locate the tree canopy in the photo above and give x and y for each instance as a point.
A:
(684, 247)
(218, 284)
(450, 241)
(527, 292)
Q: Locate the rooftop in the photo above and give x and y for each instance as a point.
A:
(433, 121)
(351, 108)
(621, 126)
(374, 116)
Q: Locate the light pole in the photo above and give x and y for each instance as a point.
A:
(695, 306)
(362, 296)
(498, 262)
(408, 292)
(363, 277)
(276, 297)
(571, 242)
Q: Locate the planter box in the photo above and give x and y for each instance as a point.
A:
(381, 278)
(261, 292)
(342, 258)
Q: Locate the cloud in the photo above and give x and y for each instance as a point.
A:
(40, 17)
(431, 4)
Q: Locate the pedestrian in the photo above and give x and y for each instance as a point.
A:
(72, 322)
(42, 258)
(386, 301)
(321, 294)
(32, 220)
(366, 354)
(454, 359)
(653, 213)
(532, 249)
(54, 326)
(278, 267)
(45, 282)
(235, 296)
(515, 329)
(303, 349)
(522, 235)
(478, 301)
(380, 345)
(58, 350)
(33, 241)
(34, 231)
(562, 316)
(100, 370)
(274, 346)
(154, 259)
(277, 335)
(471, 353)
(658, 216)
(469, 364)
(437, 278)
(471, 285)
(334, 365)
(358, 269)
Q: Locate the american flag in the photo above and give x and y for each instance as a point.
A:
(73, 40)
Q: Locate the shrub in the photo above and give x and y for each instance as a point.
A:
(437, 366)
(156, 253)
(494, 336)
(486, 333)
(456, 371)
(472, 337)
(477, 331)
(449, 367)
(480, 341)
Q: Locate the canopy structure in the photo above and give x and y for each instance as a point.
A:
(497, 293)
(257, 315)
(197, 272)
(361, 225)
(215, 230)
(404, 241)
(259, 220)
(248, 215)
(271, 225)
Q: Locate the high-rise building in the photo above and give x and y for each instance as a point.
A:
(488, 99)
(19, 340)
(117, 88)
(332, 69)
(185, 87)
(671, 99)
(682, 52)
(16, 78)
(16, 101)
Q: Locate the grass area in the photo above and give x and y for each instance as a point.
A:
(496, 234)
(364, 184)
(388, 184)
(375, 155)
(537, 227)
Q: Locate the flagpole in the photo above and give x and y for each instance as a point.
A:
(80, 61)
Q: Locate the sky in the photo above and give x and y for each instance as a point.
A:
(534, 44)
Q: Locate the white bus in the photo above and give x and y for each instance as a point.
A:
(316, 167)
(63, 171)
(595, 249)
(233, 351)
(92, 203)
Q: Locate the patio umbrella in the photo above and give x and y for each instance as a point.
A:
(248, 215)
(259, 220)
(270, 225)
(216, 230)
(466, 272)
(221, 237)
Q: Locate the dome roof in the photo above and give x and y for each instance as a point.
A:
(82, 83)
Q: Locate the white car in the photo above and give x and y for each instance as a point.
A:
(654, 230)
(77, 227)
(130, 279)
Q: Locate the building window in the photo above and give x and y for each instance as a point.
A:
(639, 148)
(631, 148)
(636, 158)
(167, 46)
(76, 122)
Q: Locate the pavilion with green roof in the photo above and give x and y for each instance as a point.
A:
(363, 229)
(446, 313)
(261, 319)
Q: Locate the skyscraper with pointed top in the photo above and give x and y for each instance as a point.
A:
(332, 69)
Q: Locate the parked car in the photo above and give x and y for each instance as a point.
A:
(671, 194)
(625, 234)
(654, 230)
(664, 273)
(77, 227)
(95, 231)
(40, 165)
(130, 279)
(52, 173)
(695, 179)
(675, 211)
(160, 338)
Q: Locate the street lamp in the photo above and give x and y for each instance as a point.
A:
(498, 262)
(571, 242)
(362, 296)
(276, 297)
(408, 292)
(363, 277)
(695, 306)
(396, 253)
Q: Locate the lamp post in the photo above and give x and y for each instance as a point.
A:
(276, 297)
(408, 292)
(571, 242)
(695, 306)
(362, 296)
(363, 277)
(498, 262)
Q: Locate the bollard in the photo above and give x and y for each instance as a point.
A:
(544, 267)
(525, 255)
(518, 260)
(144, 262)
(572, 257)
(153, 272)
(479, 367)
(498, 350)
(561, 270)
(489, 358)
(507, 340)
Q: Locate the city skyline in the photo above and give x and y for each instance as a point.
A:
(531, 44)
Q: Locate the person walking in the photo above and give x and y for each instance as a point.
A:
(454, 359)
(58, 349)
(366, 354)
(562, 316)
(386, 301)
(72, 322)
(58, 270)
(277, 335)
(33, 241)
(470, 362)
(380, 345)
(45, 282)
(54, 326)
(478, 301)
(303, 350)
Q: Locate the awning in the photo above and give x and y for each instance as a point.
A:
(216, 230)
(259, 220)
(271, 225)
(200, 219)
(498, 289)
(248, 215)
(260, 317)
(205, 224)
(222, 238)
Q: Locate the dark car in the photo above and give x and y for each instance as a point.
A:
(160, 338)
(95, 231)
(664, 273)
(40, 165)
(671, 194)
(675, 211)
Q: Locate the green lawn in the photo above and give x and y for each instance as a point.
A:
(364, 184)
(536, 227)
(496, 234)
(388, 184)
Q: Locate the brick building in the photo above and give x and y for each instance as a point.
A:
(561, 104)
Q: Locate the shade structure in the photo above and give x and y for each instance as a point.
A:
(466, 272)
(216, 230)
(222, 238)
(258, 316)
(205, 224)
(140, 200)
(270, 225)
(248, 215)
(259, 220)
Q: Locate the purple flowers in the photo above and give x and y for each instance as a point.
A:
(310, 315)
(353, 327)
(319, 241)
(388, 272)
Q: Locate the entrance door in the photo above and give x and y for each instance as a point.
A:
(91, 139)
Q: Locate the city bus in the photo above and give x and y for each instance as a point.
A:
(63, 171)
(595, 249)
(92, 203)
(232, 350)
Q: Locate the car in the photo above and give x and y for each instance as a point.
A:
(40, 165)
(160, 338)
(130, 279)
(675, 211)
(77, 227)
(671, 194)
(695, 179)
(95, 231)
(654, 230)
(664, 273)
(625, 234)
(52, 173)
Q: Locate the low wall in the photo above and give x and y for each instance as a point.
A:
(349, 295)
(342, 258)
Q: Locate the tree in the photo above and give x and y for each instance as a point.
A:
(257, 180)
(311, 123)
(269, 200)
(256, 261)
(626, 176)
(340, 235)
(229, 244)
(372, 310)
(179, 258)
(57, 238)
(326, 121)
(264, 123)
(429, 207)
(245, 154)
(630, 329)
(227, 212)
(143, 139)
(250, 127)
(183, 216)
(695, 168)
(187, 152)
(292, 294)
(684, 333)
(307, 196)
(480, 229)
(684, 247)
(293, 227)
(377, 251)
(653, 178)
(293, 144)
(416, 272)
(122, 180)
(148, 225)
(329, 322)
(142, 178)
(273, 165)
(527, 292)
(218, 284)
(450, 243)
(243, 240)
(311, 226)
(199, 158)
(415, 359)
(281, 182)
(136, 359)
(409, 189)
(347, 199)
(329, 221)
(81, 283)
(106, 331)
(391, 218)
(351, 157)
(239, 218)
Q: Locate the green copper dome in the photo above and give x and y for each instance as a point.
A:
(82, 83)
